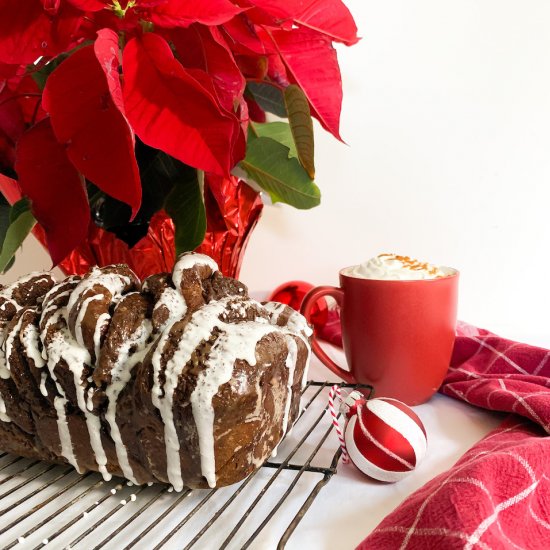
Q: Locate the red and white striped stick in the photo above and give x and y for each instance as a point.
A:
(335, 391)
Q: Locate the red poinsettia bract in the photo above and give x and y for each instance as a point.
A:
(80, 79)
(55, 188)
(88, 122)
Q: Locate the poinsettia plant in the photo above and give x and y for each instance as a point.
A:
(111, 111)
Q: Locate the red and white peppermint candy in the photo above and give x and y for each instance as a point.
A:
(385, 439)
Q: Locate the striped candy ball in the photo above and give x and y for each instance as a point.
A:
(385, 439)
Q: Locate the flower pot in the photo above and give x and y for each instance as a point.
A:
(232, 211)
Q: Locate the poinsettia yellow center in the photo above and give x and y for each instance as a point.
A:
(119, 10)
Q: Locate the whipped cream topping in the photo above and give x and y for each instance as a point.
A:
(396, 268)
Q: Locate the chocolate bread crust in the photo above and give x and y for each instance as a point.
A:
(181, 379)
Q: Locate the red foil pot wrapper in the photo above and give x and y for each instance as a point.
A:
(232, 210)
(154, 253)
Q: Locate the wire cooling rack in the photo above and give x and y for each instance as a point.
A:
(53, 507)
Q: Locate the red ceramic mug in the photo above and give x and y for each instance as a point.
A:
(398, 335)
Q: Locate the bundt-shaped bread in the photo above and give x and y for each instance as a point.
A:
(181, 379)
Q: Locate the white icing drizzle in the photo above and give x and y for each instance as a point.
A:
(80, 317)
(64, 434)
(189, 261)
(48, 307)
(290, 364)
(30, 339)
(42, 276)
(64, 347)
(236, 341)
(297, 325)
(4, 370)
(102, 320)
(306, 368)
(7, 293)
(275, 309)
(8, 344)
(93, 423)
(174, 302)
(113, 282)
(120, 376)
(49, 296)
(198, 329)
(43, 379)
(3, 413)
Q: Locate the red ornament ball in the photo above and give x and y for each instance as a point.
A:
(385, 439)
(292, 294)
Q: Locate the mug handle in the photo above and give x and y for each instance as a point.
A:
(309, 301)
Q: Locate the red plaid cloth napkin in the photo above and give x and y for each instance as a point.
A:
(497, 496)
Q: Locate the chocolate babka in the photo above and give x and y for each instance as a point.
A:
(181, 379)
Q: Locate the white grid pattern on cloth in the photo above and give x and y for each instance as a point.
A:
(502, 355)
(469, 460)
(477, 383)
(520, 400)
(538, 519)
(432, 532)
(498, 432)
(455, 391)
(450, 479)
(541, 364)
(473, 539)
(535, 394)
(505, 376)
(478, 483)
(464, 371)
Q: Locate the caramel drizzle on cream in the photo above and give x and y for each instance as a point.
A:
(414, 265)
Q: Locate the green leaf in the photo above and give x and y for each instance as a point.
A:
(301, 126)
(185, 205)
(268, 97)
(18, 208)
(268, 164)
(21, 222)
(279, 131)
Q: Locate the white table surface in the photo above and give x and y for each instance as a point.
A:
(352, 505)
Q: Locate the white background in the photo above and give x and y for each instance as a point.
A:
(447, 121)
